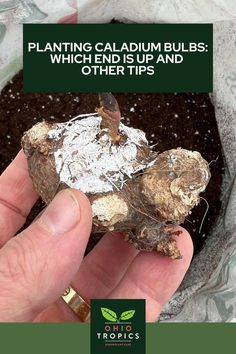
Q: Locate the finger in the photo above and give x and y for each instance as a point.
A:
(57, 312)
(103, 268)
(38, 264)
(17, 196)
(154, 277)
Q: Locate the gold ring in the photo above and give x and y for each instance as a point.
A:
(80, 307)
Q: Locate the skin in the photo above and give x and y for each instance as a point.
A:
(39, 263)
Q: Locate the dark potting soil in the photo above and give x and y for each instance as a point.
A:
(184, 120)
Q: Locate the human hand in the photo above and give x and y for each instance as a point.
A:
(39, 263)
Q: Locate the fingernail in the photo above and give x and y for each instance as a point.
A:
(62, 214)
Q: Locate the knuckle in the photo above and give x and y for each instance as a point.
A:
(12, 263)
(24, 275)
(18, 266)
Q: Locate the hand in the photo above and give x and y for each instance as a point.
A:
(39, 263)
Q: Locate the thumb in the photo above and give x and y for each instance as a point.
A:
(37, 265)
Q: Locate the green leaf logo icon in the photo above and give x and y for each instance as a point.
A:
(126, 315)
(109, 314)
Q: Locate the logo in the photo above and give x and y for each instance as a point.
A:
(112, 316)
(117, 326)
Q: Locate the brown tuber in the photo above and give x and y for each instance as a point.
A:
(131, 188)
